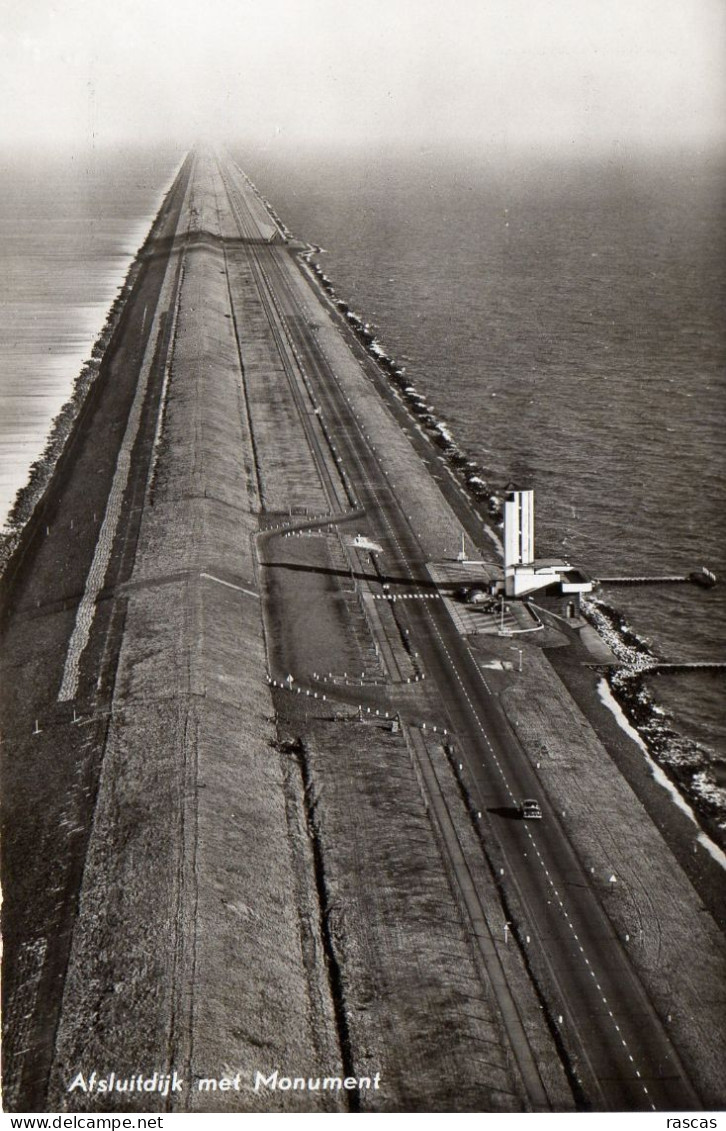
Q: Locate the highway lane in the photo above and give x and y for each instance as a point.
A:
(624, 1056)
(332, 480)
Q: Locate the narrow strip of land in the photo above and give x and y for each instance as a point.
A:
(221, 854)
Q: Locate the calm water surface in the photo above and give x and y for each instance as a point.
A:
(70, 225)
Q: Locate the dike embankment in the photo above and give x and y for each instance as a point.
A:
(186, 952)
(49, 764)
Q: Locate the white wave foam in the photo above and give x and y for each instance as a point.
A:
(608, 699)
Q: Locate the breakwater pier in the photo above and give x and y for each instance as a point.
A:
(703, 577)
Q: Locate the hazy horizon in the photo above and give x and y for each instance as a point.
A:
(578, 76)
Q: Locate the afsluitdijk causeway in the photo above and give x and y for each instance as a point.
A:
(263, 773)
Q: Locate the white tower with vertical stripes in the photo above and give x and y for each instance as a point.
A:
(518, 529)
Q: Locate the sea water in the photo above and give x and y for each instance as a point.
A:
(70, 225)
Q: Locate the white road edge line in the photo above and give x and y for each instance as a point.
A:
(249, 592)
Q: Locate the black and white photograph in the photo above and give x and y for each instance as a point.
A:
(363, 560)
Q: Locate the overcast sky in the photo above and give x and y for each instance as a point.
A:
(576, 73)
